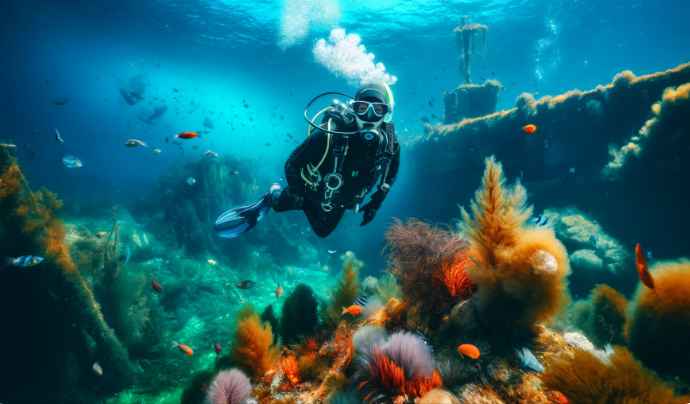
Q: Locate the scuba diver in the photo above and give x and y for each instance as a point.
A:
(334, 168)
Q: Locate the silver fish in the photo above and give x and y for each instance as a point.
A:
(71, 162)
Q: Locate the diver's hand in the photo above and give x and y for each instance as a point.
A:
(370, 208)
(369, 213)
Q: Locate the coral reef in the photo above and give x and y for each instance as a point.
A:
(519, 271)
(429, 263)
(252, 347)
(583, 378)
(299, 315)
(661, 320)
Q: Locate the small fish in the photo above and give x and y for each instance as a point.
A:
(433, 116)
(246, 106)
(166, 140)
(571, 169)
(282, 117)
(134, 143)
(32, 154)
(642, 269)
(217, 348)
(23, 261)
(492, 73)
(354, 310)
(176, 90)
(210, 154)
(183, 348)
(156, 151)
(27, 145)
(156, 286)
(468, 350)
(424, 119)
(191, 181)
(431, 104)
(186, 135)
(97, 369)
(542, 220)
(268, 144)
(279, 291)
(289, 135)
(212, 262)
(255, 253)
(62, 102)
(100, 234)
(47, 82)
(649, 256)
(432, 99)
(246, 284)
(195, 147)
(57, 136)
(593, 241)
(234, 172)
(135, 95)
(71, 162)
(361, 301)
(332, 251)
(528, 360)
(529, 128)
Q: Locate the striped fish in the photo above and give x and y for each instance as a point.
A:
(542, 220)
(361, 301)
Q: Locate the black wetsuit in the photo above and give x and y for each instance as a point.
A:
(358, 170)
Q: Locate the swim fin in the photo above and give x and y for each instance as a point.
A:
(238, 221)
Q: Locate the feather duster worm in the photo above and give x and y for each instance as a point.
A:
(229, 387)
(429, 263)
(388, 368)
(519, 270)
(584, 379)
(252, 348)
(660, 324)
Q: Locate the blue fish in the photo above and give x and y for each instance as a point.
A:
(191, 180)
(528, 360)
(649, 256)
(71, 162)
(23, 261)
(593, 241)
(572, 169)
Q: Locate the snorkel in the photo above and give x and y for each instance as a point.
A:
(391, 103)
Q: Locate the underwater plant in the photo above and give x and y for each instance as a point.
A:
(609, 315)
(253, 348)
(584, 379)
(661, 319)
(346, 289)
(229, 387)
(387, 288)
(299, 315)
(310, 363)
(428, 261)
(334, 384)
(289, 366)
(268, 316)
(519, 271)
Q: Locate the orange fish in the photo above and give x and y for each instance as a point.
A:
(562, 399)
(186, 135)
(218, 348)
(354, 310)
(469, 350)
(183, 348)
(642, 269)
(156, 286)
(279, 291)
(101, 234)
(530, 128)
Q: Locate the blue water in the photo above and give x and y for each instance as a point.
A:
(224, 54)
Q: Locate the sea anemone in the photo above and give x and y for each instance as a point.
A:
(229, 387)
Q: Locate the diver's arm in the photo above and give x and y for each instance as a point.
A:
(377, 197)
(309, 151)
(394, 167)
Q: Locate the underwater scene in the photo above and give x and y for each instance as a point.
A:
(345, 202)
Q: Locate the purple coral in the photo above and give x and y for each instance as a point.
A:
(229, 387)
(410, 353)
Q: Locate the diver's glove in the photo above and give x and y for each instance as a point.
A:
(370, 208)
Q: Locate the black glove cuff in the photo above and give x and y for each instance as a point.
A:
(378, 197)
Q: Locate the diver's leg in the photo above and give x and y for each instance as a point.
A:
(282, 200)
(323, 223)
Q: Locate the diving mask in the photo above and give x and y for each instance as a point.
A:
(370, 111)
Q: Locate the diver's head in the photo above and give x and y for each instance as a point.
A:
(370, 106)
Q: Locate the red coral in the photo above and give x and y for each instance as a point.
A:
(386, 377)
(419, 387)
(454, 276)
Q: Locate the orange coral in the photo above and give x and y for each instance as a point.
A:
(252, 348)
(419, 387)
(289, 366)
(387, 375)
(454, 276)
